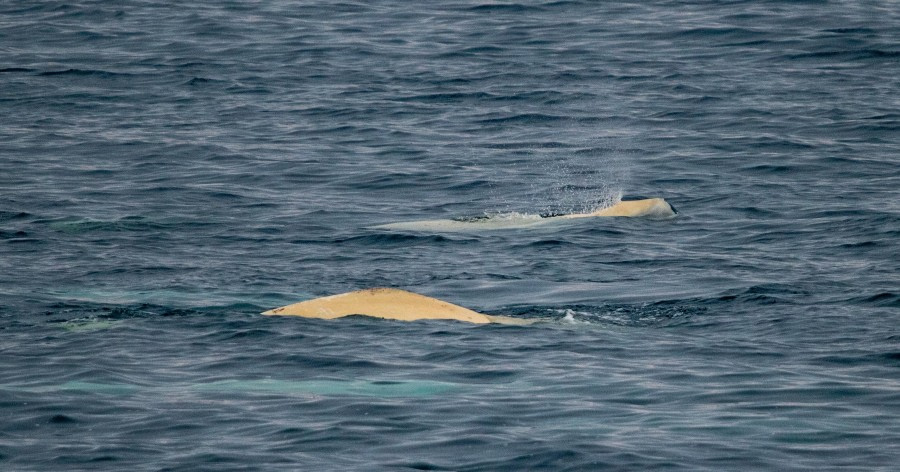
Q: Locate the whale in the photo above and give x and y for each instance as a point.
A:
(647, 208)
(389, 304)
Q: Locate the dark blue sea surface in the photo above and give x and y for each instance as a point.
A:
(170, 170)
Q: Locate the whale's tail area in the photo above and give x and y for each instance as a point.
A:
(391, 304)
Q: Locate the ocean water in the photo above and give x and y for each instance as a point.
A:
(168, 171)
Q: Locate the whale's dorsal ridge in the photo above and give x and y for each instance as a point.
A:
(387, 303)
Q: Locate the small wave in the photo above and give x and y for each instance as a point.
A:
(384, 389)
(84, 73)
(504, 8)
(87, 225)
(478, 50)
(448, 97)
(94, 313)
(547, 243)
(765, 294)
(525, 118)
(382, 240)
(12, 234)
(890, 358)
(118, 303)
(882, 299)
(528, 145)
(858, 30)
(728, 32)
(364, 388)
(15, 69)
(198, 81)
(847, 55)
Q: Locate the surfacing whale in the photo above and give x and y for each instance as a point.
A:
(391, 304)
(650, 207)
